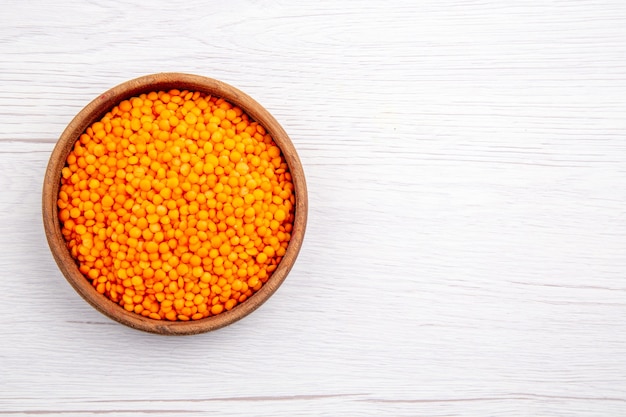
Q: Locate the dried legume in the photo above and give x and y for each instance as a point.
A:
(176, 205)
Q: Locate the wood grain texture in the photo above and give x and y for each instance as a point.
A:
(465, 247)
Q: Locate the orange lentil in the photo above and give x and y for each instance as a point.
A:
(176, 205)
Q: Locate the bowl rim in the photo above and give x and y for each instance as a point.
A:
(93, 112)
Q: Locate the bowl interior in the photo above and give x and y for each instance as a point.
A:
(93, 112)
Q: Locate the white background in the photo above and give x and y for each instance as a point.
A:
(465, 251)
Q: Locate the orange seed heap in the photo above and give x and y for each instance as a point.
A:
(176, 205)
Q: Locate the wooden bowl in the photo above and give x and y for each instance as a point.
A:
(93, 112)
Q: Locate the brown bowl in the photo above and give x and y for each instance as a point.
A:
(93, 112)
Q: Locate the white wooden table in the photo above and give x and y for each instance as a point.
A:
(466, 245)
